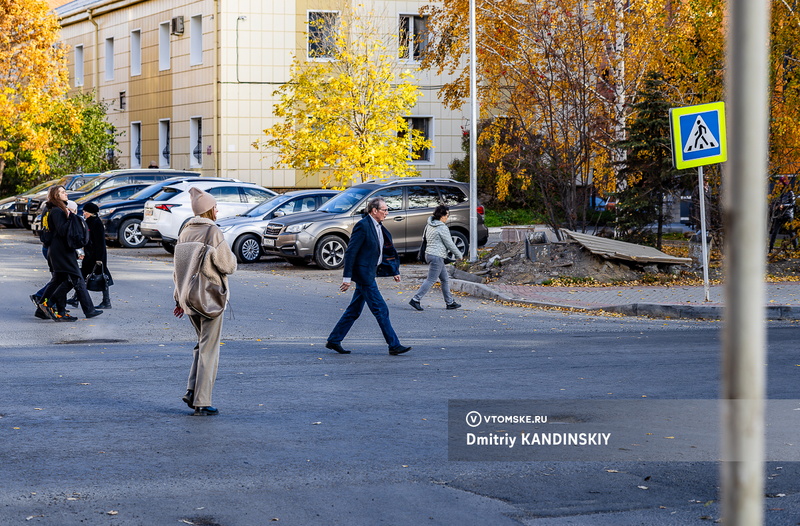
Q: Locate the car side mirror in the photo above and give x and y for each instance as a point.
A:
(279, 213)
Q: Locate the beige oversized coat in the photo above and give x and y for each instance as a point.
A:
(219, 262)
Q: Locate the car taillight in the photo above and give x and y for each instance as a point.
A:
(479, 209)
(166, 208)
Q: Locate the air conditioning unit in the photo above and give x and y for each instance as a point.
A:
(177, 25)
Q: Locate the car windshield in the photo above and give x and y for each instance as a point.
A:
(91, 184)
(265, 206)
(148, 192)
(39, 187)
(166, 193)
(345, 201)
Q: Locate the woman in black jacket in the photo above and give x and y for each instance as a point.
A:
(63, 262)
(95, 251)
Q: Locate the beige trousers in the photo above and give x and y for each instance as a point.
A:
(205, 359)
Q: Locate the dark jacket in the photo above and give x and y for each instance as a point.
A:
(61, 257)
(361, 257)
(96, 249)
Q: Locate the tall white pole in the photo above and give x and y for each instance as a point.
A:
(473, 137)
(744, 334)
(703, 230)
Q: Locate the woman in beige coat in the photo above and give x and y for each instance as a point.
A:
(200, 231)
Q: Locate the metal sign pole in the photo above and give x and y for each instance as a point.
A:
(473, 137)
(703, 231)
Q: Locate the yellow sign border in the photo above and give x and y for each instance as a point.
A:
(675, 129)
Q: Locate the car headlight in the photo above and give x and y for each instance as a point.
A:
(296, 229)
(105, 212)
(7, 206)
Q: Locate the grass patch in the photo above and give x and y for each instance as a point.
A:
(518, 216)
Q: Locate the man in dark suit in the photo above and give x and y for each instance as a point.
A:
(369, 245)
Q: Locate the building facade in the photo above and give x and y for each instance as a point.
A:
(190, 83)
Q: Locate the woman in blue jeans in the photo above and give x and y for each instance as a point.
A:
(439, 246)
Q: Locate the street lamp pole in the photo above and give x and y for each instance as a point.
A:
(473, 138)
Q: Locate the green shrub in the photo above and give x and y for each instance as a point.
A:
(518, 216)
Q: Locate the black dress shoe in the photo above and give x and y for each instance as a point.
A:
(94, 313)
(205, 411)
(189, 398)
(394, 351)
(336, 347)
(414, 303)
(104, 305)
(41, 315)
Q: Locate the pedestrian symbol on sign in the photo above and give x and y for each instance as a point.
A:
(700, 138)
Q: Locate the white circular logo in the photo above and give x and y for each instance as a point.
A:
(474, 419)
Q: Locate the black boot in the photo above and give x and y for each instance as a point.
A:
(106, 300)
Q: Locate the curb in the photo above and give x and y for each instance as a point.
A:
(654, 310)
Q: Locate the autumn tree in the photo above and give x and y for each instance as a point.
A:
(33, 80)
(345, 117)
(562, 71)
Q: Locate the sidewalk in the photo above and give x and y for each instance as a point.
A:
(782, 299)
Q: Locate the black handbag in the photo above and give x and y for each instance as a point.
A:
(424, 246)
(98, 280)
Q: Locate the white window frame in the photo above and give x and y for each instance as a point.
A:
(164, 52)
(79, 65)
(196, 40)
(136, 143)
(429, 136)
(309, 55)
(195, 141)
(409, 50)
(136, 52)
(164, 143)
(109, 63)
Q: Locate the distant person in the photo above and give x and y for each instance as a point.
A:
(63, 262)
(199, 232)
(439, 247)
(95, 252)
(361, 259)
(782, 211)
(153, 164)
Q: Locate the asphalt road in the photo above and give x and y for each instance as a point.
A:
(92, 429)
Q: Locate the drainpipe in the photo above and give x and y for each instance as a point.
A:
(96, 51)
(217, 96)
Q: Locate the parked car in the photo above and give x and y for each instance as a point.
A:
(322, 236)
(243, 232)
(6, 212)
(121, 177)
(165, 215)
(28, 204)
(121, 219)
(9, 216)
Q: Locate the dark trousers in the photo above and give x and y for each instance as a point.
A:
(777, 225)
(56, 291)
(370, 294)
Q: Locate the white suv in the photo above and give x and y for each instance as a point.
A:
(167, 212)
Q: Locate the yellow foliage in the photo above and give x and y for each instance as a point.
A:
(345, 117)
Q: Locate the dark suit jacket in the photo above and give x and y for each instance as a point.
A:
(361, 256)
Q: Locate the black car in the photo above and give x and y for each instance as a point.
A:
(27, 205)
(121, 177)
(121, 218)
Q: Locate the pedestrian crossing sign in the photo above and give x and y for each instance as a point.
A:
(698, 135)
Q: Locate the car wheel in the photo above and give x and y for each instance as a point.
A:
(169, 246)
(130, 235)
(247, 249)
(329, 253)
(461, 241)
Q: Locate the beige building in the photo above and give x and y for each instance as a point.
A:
(190, 82)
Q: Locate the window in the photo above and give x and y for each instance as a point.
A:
(422, 197)
(413, 37)
(163, 46)
(393, 197)
(110, 58)
(136, 52)
(196, 142)
(452, 195)
(196, 40)
(424, 125)
(79, 65)
(254, 196)
(225, 194)
(123, 100)
(163, 143)
(136, 145)
(322, 28)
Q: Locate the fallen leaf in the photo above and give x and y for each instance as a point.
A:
(315, 423)
(112, 512)
(642, 487)
(612, 471)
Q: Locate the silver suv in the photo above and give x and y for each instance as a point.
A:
(322, 236)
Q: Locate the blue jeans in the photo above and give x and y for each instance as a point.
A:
(370, 294)
(436, 270)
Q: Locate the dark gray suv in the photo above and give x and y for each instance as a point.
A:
(322, 236)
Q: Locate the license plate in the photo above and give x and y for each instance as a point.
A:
(268, 242)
